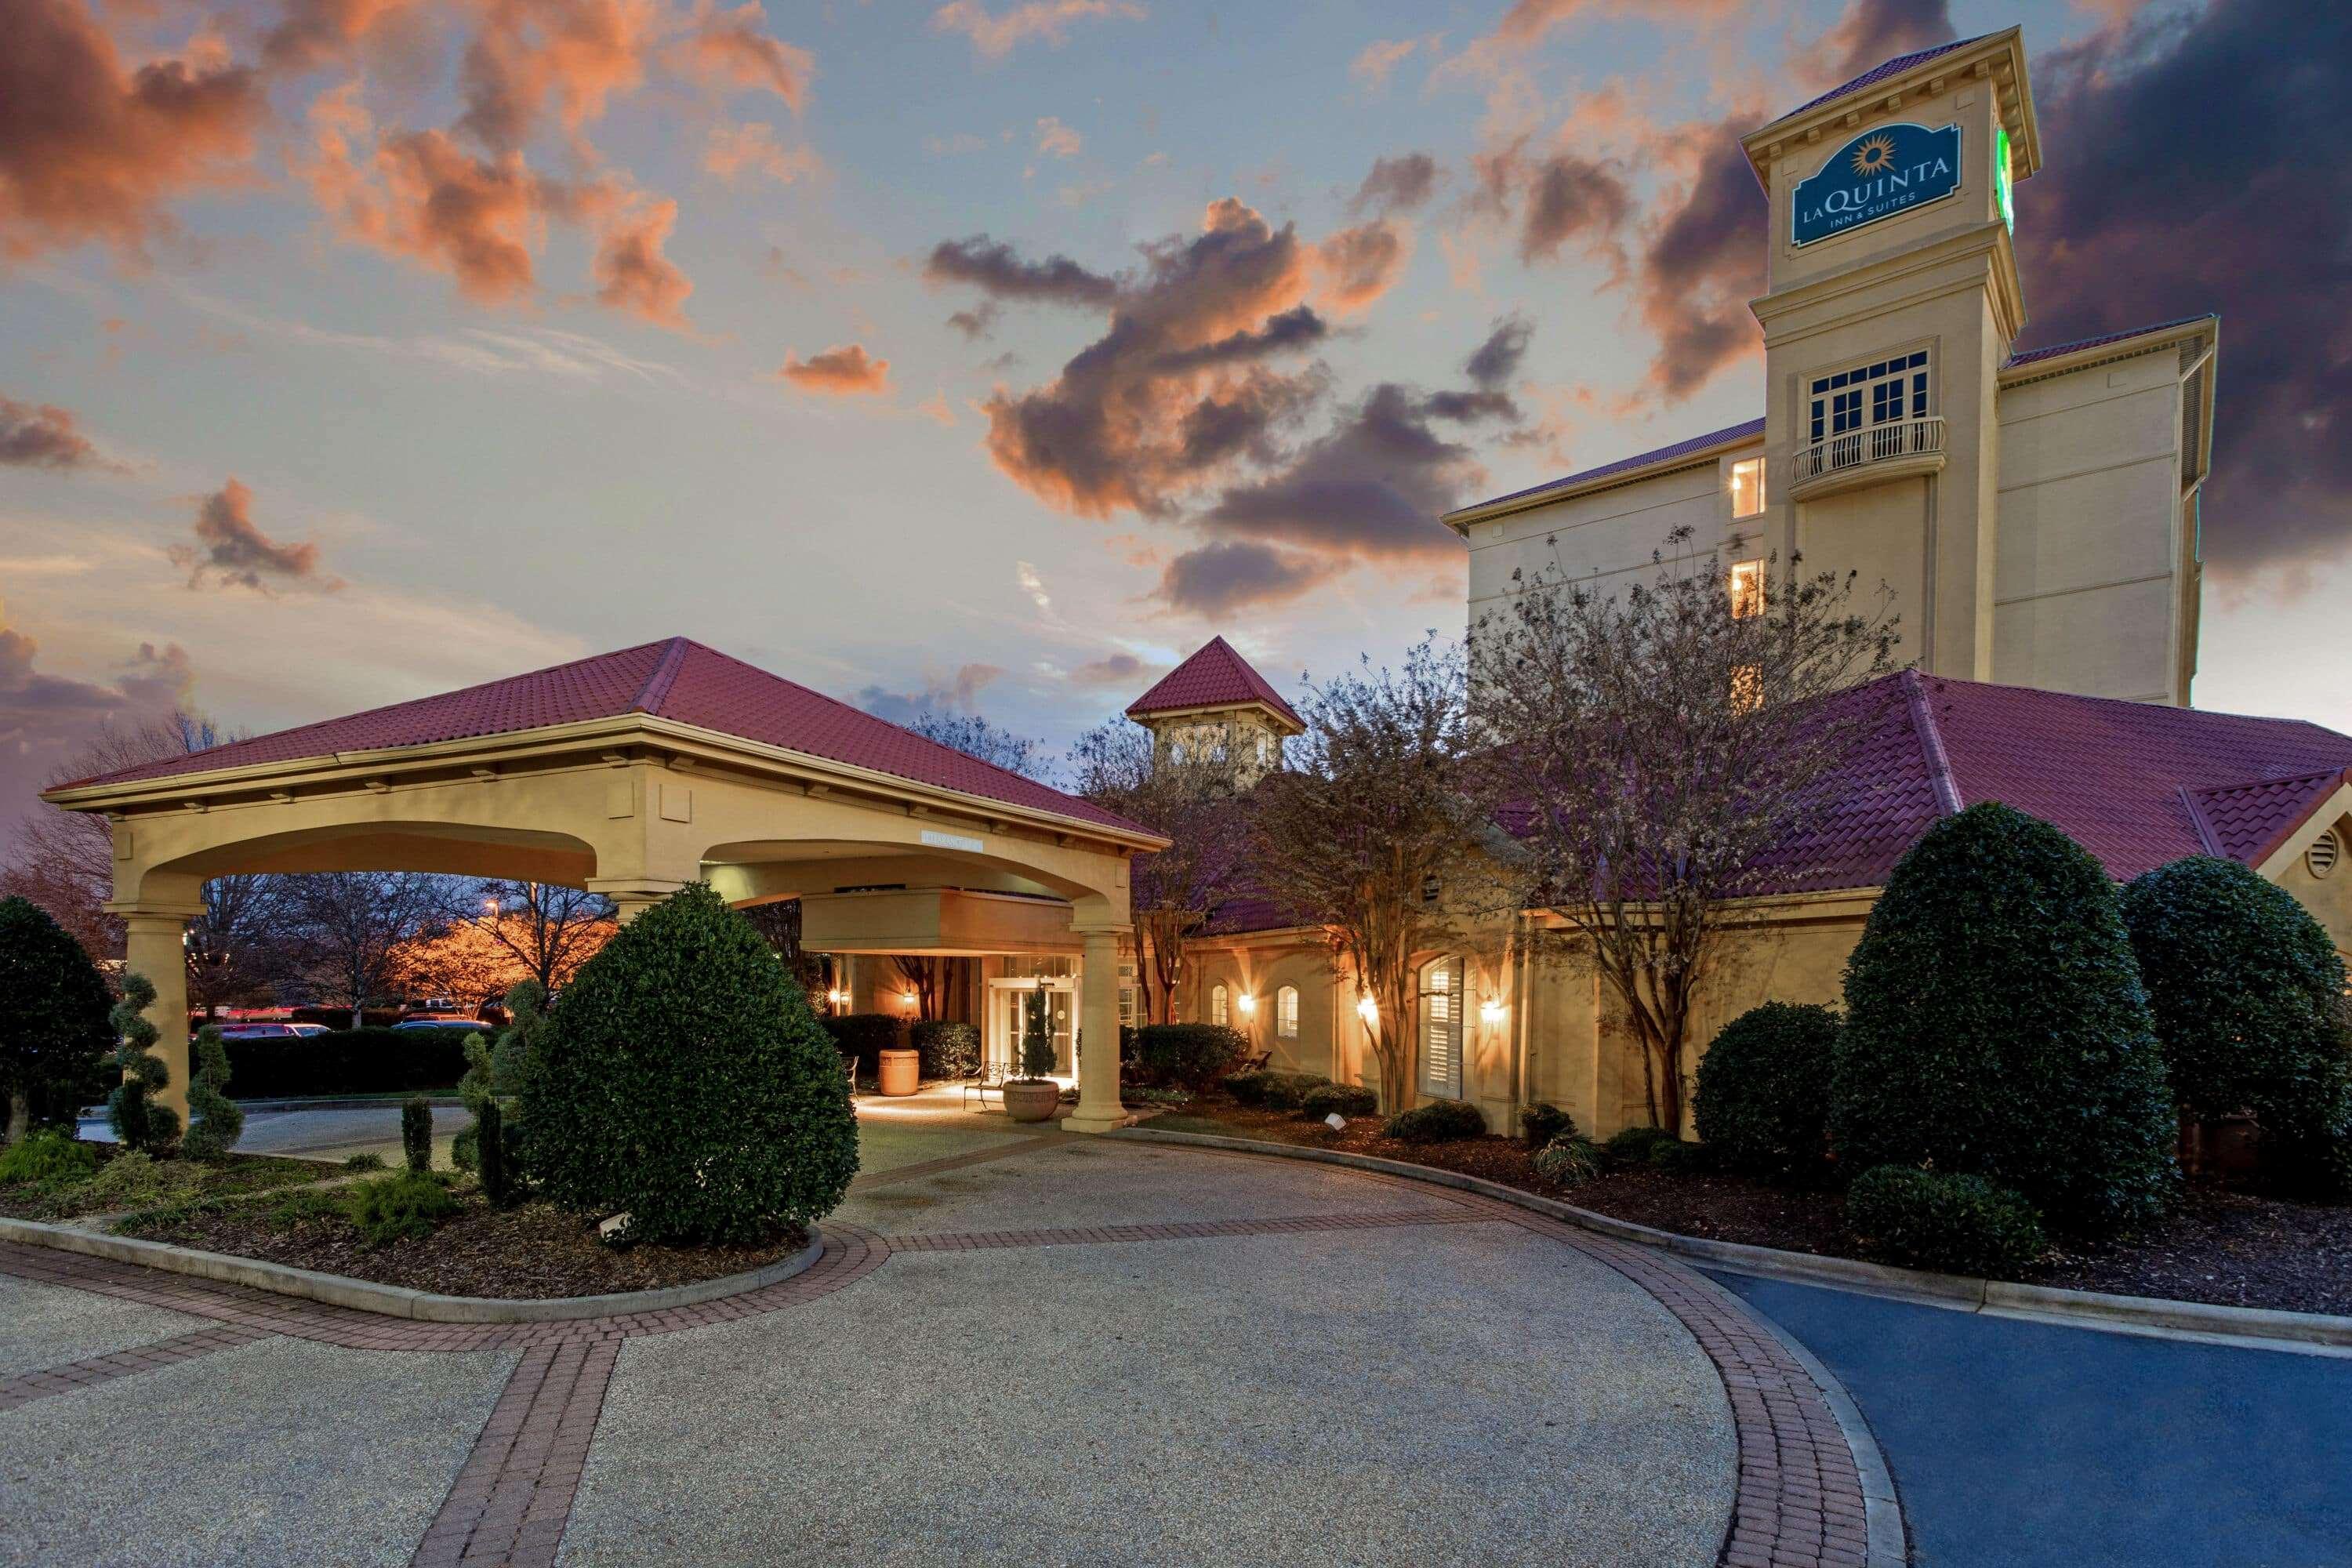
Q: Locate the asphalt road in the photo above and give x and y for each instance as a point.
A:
(2025, 1444)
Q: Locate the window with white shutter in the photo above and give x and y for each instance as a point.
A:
(1440, 1029)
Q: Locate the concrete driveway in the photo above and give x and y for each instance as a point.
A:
(1077, 1350)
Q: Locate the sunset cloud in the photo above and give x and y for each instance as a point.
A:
(1215, 580)
(45, 436)
(311, 33)
(631, 271)
(1056, 140)
(1378, 58)
(230, 546)
(1122, 669)
(1402, 184)
(734, 49)
(733, 150)
(92, 151)
(995, 36)
(1870, 32)
(567, 57)
(845, 370)
(46, 719)
(996, 269)
(1361, 263)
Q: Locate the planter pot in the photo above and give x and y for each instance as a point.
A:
(1031, 1102)
(900, 1071)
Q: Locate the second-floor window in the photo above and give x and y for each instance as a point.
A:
(1880, 392)
(1747, 486)
(1747, 589)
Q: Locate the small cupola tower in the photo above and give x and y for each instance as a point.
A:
(1215, 709)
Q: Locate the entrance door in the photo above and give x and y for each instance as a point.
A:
(1012, 1003)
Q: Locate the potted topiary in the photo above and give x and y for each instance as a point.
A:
(1034, 1097)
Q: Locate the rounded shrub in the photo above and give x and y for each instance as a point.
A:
(950, 1049)
(1631, 1145)
(2248, 994)
(1763, 1097)
(1543, 1121)
(1569, 1160)
(1996, 1026)
(682, 1079)
(1248, 1088)
(406, 1206)
(54, 1034)
(1678, 1158)
(1438, 1122)
(1187, 1056)
(1954, 1223)
(1289, 1090)
(1338, 1099)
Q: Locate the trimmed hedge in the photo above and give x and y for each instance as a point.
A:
(1996, 1026)
(865, 1036)
(682, 1079)
(55, 1040)
(2248, 994)
(1338, 1099)
(347, 1061)
(950, 1049)
(1543, 1121)
(1633, 1145)
(1763, 1096)
(1677, 1158)
(1187, 1056)
(1438, 1122)
(1955, 1223)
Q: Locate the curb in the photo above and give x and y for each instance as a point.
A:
(397, 1301)
(440, 1100)
(2260, 1327)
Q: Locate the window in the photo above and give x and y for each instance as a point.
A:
(1127, 996)
(1219, 1007)
(1440, 1029)
(1286, 1012)
(1889, 390)
(1747, 688)
(1747, 589)
(1747, 486)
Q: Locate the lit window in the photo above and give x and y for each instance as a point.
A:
(1286, 1012)
(1220, 1005)
(1747, 486)
(1747, 688)
(1747, 589)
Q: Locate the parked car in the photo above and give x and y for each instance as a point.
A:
(463, 1026)
(269, 1031)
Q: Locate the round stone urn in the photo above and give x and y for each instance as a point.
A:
(1034, 1100)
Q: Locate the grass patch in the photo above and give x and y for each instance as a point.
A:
(99, 1178)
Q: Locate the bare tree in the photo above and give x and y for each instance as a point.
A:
(550, 930)
(237, 946)
(1188, 800)
(976, 737)
(1651, 751)
(1366, 829)
(350, 927)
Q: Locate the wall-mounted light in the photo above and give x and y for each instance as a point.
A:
(1490, 1012)
(905, 998)
(837, 996)
(1368, 1010)
(1246, 1003)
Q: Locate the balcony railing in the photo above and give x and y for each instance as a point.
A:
(1871, 443)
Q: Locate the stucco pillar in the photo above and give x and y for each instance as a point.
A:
(632, 896)
(157, 949)
(1099, 1109)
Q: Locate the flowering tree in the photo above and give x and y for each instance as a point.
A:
(1365, 830)
(1188, 800)
(549, 930)
(350, 928)
(1651, 751)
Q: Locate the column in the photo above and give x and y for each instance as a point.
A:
(1099, 1109)
(157, 948)
(632, 896)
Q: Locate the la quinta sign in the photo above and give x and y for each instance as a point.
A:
(1887, 170)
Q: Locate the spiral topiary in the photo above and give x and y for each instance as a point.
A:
(215, 1121)
(131, 1111)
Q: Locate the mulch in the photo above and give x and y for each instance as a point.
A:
(2221, 1245)
(531, 1251)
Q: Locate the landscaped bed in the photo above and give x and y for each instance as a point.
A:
(531, 1251)
(2221, 1246)
(120, 1182)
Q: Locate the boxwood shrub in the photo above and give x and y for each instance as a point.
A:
(347, 1061)
(950, 1049)
(1631, 1145)
(1341, 1099)
(1542, 1122)
(55, 1044)
(682, 1079)
(1956, 1223)
(1996, 1026)
(1289, 1090)
(2248, 994)
(1187, 1056)
(1438, 1121)
(1763, 1096)
(865, 1036)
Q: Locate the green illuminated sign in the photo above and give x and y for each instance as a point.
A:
(2001, 177)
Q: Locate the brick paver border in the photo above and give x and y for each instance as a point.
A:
(1177, 1231)
(91, 1370)
(513, 1499)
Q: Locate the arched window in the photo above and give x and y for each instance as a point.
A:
(1441, 1029)
(1286, 1012)
(1220, 1005)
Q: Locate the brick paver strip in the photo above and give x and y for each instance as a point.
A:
(866, 1180)
(1180, 1230)
(513, 1497)
(91, 1370)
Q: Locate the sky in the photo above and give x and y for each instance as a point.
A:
(992, 355)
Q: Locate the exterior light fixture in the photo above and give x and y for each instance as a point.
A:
(1368, 1010)
(1247, 1003)
(1490, 1011)
(905, 998)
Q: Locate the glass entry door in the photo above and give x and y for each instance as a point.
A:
(1012, 1003)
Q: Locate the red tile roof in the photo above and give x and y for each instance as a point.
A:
(679, 679)
(2029, 356)
(2134, 783)
(1879, 73)
(1215, 677)
(1730, 435)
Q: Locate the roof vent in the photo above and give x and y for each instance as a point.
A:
(2320, 859)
